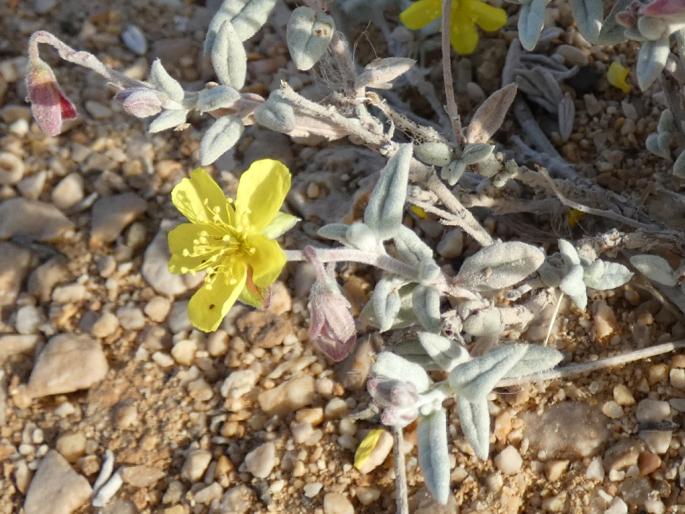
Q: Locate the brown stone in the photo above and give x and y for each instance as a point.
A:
(264, 329)
(648, 463)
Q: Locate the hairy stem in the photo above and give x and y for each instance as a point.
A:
(400, 472)
(452, 109)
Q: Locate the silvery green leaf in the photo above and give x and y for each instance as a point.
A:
(612, 33)
(651, 27)
(165, 82)
(393, 366)
(537, 359)
(653, 145)
(428, 271)
(566, 116)
(410, 247)
(574, 287)
(246, 16)
(568, 253)
(276, 114)
(446, 354)
(405, 317)
(380, 72)
(383, 213)
(484, 322)
(490, 115)
(602, 275)
(499, 266)
(360, 236)
(221, 136)
(453, 172)
(426, 304)
(679, 165)
(219, 97)
(434, 454)
(655, 268)
(476, 152)
(474, 418)
(168, 119)
(228, 57)
(434, 153)
(651, 61)
(474, 379)
(308, 34)
(531, 21)
(666, 123)
(386, 302)
(335, 232)
(588, 15)
(664, 141)
(280, 225)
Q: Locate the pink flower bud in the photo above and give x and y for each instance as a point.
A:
(331, 328)
(387, 392)
(49, 105)
(399, 416)
(663, 8)
(140, 102)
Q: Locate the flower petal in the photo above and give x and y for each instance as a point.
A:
(421, 13)
(201, 200)
(185, 256)
(280, 225)
(267, 262)
(464, 36)
(261, 191)
(486, 16)
(214, 299)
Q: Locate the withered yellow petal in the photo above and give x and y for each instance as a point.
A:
(261, 192)
(366, 447)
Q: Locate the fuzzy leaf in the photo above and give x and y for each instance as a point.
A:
(651, 61)
(219, 97)
(410, 247)
(679, 166)
(246, 16)
(161, 79)
(393, 366)
(653, 143)
(446, 354)
(221, 136)
(476, 378)
(588, 15)
(574, 286)
(434, 454)
(308, 35)
(485, 322)
(537, 358)
(476, 152)
(386, 302)
(434, 153)
(566, 116)
(490, 115)
(383, 213)
(499, 266)
(568, 253)
(531, 21)
(474, 418)
(335, 232)
(360, 236)
(602, 275)
(380, 72)
(426, 304)
(612, 33)
(655, 268)
(453, 172)
(276, 114)
(228, 57)
(168, 119)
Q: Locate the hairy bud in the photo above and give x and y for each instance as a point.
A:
(397, 400)
(140, 102)
(49, 105)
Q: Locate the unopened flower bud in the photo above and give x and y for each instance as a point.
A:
(388, 392)
(49, 105)
(663, 8)
(399, 416)
(140, 102)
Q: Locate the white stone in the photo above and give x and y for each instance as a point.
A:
(612, 410)
(112, 214)
(239, 383)
(56, 488)
(195, 465)
(652, 411)
(452, 243)
(36, 220)
(312, 489)
(68, 191)
(623, 396)
(29, 319)
(183, 352)
(658, 441)
(336, 503)
(509, 461)
(617, 506)
(260, 461)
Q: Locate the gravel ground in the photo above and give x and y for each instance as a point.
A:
(98, 355)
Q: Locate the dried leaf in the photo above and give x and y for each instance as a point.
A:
(379, 73)
(490, 115)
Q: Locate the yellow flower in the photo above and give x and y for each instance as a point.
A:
(617, 75)
(466, 14)
(232, 241)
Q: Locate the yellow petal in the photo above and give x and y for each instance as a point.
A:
(266, 262)
(366, 447)
(261, 191)
(200, 199)
(214, 299)
(185, 255)
(617, 76)
(486, 16)
(464, 37)
(421, 13)
(280, 225)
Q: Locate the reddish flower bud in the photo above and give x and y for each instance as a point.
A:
(49, 105)
(663, 8)
(397, 400)
(140, 102)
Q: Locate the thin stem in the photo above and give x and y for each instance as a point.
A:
(554, 318)
(400, 472)
(452, 109)
(587, 367)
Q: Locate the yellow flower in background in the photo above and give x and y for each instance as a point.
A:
(617, 75)
(466, 14)
(232, 241)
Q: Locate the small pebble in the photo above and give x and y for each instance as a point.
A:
(134, 39)
(68, 191)
(260, 461)
(652, 411)
(648, 463)
(612, 410)
(71, 445)
(11, 168)
(157, 309)
(312, 489)
(367, 495)
(677, 378)
(195, 465)
(623, 396)
(509, 461)
(183, 352)
(336, 503)
(658, 441)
